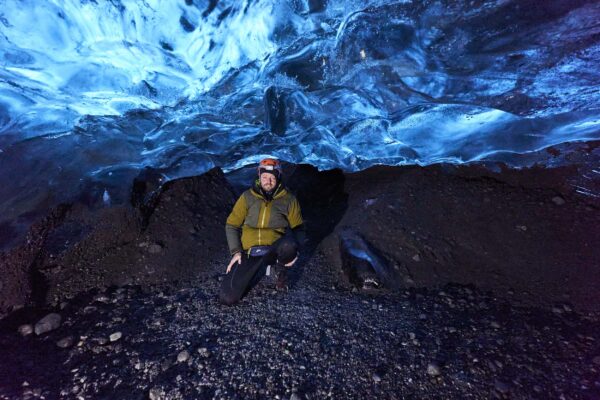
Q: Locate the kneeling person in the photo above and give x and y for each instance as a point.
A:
(264, 229)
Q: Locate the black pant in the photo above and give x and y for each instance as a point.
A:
(244, 275)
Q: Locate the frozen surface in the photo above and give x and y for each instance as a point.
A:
(93, 91)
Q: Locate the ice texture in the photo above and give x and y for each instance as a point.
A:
(93, 91)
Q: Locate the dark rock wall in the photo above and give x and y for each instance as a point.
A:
(175, 238)
(524, 234)
(521, 233)
(20, 278)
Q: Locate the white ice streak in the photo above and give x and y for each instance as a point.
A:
(92, 51)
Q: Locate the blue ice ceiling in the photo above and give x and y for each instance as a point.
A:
(93, 91)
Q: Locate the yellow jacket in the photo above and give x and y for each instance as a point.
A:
(256, 221)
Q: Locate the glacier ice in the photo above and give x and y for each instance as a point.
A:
(93, 91)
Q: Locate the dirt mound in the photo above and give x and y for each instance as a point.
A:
(176, 235)
(525, 234)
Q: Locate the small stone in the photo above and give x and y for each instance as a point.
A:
(155, 248)
(90, 309)
(115, 336)
(102, 299)
(501, 386)
(183, 356)
(65, 342)
(596, 360)
(203, 351)
(376, 378)
(101, 341)
(559, 201)
(433, 369)
(165, 364)
(49, 323)
(294, 396)
(416, 258)
(495, 325)
(26, 329)
(156, 394)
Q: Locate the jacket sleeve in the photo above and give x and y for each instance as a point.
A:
(296, 222)
(233, 226)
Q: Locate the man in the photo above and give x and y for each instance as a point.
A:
(264, 231)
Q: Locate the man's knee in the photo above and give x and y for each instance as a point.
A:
(287, 249)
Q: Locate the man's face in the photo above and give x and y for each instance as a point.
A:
(267, 181)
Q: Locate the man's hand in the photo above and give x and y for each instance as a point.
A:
(292, 262)
(237, 258)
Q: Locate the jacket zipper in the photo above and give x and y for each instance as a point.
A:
(262, 223)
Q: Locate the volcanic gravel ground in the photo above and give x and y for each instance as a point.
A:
(320, 339)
